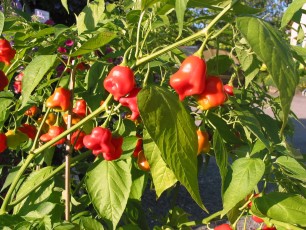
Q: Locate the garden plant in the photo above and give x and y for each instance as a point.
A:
(93, 115)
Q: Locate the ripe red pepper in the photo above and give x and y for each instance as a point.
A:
(130, 101)
(99, 141)
(31, 111)
(190, 78)
(229, 90)
(203, 141)
(77, 139)
(257, 219)
(80, 108)
(265, 227)
(223, 227)
(60, 99)
(213, 95)
(7, 53)
(120, 81)
(18, 83)
(117, 143)
(29, 130)
(3, 145)
(53, 132)
(138, 147)
(3, 80)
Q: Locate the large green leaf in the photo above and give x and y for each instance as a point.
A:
(163, 177)
(108, 184)
(139, 179)
(243, 177)
(90, 16)
(208, 3)
(294, 7)
(2, 19)
(174, 132)
(6, 99)
(292, 167)
(7, 220)
(180, 8)
(102, 38)
(221, 155)
(94, 77)
(284, 207)
(270, 46)
(41, 194)
(34, 73)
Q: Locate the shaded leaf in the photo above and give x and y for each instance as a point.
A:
(292, 167)
(180, 8)
(163, 177)
(284, 207)
(6, 98)
(270, 46)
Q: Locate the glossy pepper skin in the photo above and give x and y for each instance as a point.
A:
(203, 141)
(31, 111)
(7, 53)
(3, 145)
(190, 78)
(117, 143)
(142, 162)
(29, 130)
(229, 90)
(77, 139)
(53, 132)
(130, 101)
(99, 141)
(3, 80)
(223, 227)
(60, 100)
(81, 108)
(138, 147)
(213, 95)
(257, 219)
(120, 81)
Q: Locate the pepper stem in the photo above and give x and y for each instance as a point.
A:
(124, 61)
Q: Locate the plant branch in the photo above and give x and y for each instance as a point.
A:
(195, 36)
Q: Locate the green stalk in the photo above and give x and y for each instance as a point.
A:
(204, 221)
(54, 172)
(203, 32)
(32, 154)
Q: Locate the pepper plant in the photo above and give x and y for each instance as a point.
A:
(95, 114)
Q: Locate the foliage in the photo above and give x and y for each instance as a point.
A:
(105, 191)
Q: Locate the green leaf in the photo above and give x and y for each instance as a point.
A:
(208, 3)
(180, 8)
(128, 146)
(284, 207)
(94, 43)
(292, 167)
(221, 155)
(240, 8)
(145, 4)
(108, 184)
(294, 7)
(34, 73)
(60, 29)
(6, 99)
(174, 132)
(67, 226)
(270, 46)
(163, 177)
(224, 130)
(218, 65)
(139, 179)
(9, 179)
(41, 194)
(94, 77)
(90, 16)
(89, 223)
(243, 177)
(2, 19)
(7, 220)
(65, 5)
(249, 121)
